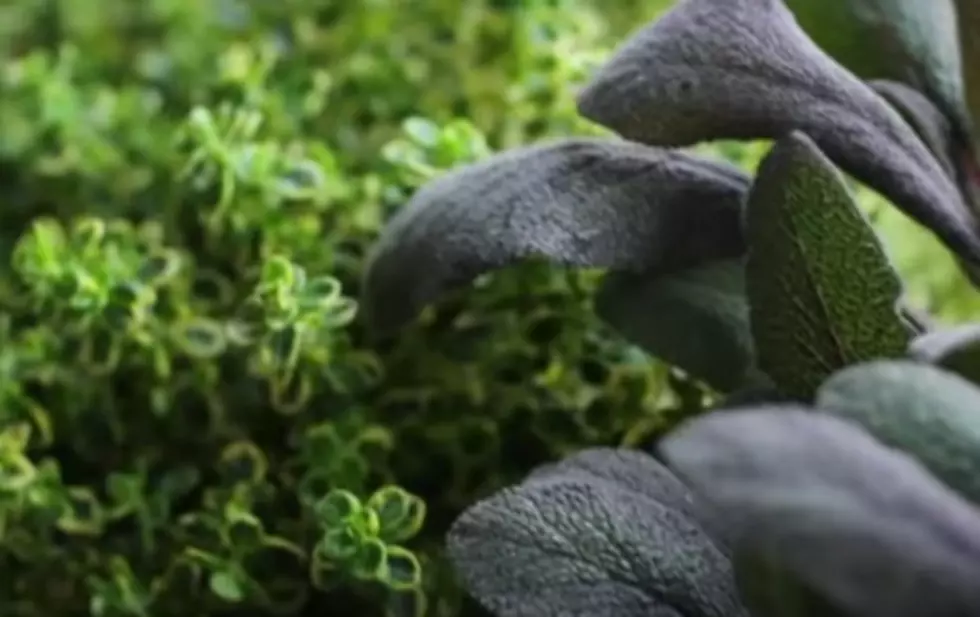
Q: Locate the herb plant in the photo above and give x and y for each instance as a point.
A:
(834, 472)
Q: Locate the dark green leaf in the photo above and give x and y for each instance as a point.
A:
(956, 349)
(928, 413)
(822, 292)
(907, 41)
(695, 319)
(743, 69)
(581, 202)
(862, 524)
(576, 540)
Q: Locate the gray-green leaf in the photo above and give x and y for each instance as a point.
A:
(822, 292)
(908, 41)
(744, 69)
(956, 349)
(932, 127)
(581, 202)
(929, 413)
(581, 539)
(695, 319)
(862, 524)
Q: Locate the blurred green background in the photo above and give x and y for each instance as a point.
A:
(192, 421)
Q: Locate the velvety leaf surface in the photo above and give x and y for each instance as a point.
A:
(696, 319)
(636, 472)
(575, 541)
(860, 523)
(908, 41)
(931, 125)
(956, 349)
(744, 69)
(920, 409)
(581, 202)
(822, 292)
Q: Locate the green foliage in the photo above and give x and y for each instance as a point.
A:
(822, 292)
(193, 417)
(186, 394)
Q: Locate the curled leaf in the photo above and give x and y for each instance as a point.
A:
(822, 291)
(929, 413)
(956, 349)
(863, 525)
(695, 319)
(575, 541)
(744, 69)
(579, 202)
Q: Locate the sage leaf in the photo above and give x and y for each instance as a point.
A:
(929, 413)
(861, 524)
(906, 41)
(932, 127)
(956, 349)
(822, 292)
(579, 202)
(572, 542)
(695, 319)
(744, 69)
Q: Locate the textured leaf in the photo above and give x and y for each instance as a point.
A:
(932, 127)
(928, 413)
(575, 541)
(956, 349)
(863, 525)
(695, 319)
(580, 202)
(908, 41)
(636, 472)
(743, 69)
(822, 292)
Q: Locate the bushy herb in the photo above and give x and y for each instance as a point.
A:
(834, 470)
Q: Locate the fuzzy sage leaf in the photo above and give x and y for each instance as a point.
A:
(580, 202)
(582, 539)
(695, 319)
(862, 524)
(743, 69)
(907, 41)
(929, 413)
(822, 292)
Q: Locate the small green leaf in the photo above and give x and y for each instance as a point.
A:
(695, 319)
(227, 586)
(243, 461)
(822, 292)
(926, 412)
(400, 514)
(370, 560)
(340, 544)
(402, 570)
(956, 349)
(337, 507)
(200, 338)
